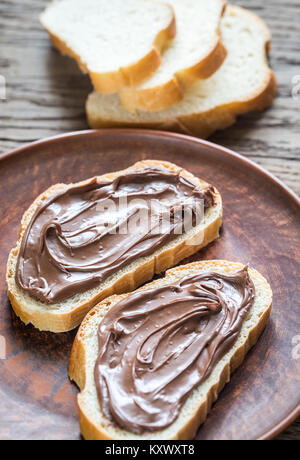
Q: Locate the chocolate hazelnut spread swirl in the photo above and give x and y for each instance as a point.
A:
(79, 237)
(157, 345)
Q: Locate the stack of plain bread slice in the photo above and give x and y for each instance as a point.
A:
(244, 83)
(194, 81)
(120, 45)
(117, 42)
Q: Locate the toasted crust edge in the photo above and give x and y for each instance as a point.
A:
(171, 92)
(63, 322)
(203, 124)
(77, 364)
(133, 74)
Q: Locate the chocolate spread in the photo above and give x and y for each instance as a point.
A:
(80, 236)
(157, 345)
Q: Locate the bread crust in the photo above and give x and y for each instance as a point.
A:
(171, 92)
(55, 321)
(203, 124)
(133, 74)
(78, 359)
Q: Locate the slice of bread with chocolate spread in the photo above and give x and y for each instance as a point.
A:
(150, 364)
(81, 243)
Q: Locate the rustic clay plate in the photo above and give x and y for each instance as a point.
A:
(261, 227)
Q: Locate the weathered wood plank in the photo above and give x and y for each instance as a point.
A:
(46, 92)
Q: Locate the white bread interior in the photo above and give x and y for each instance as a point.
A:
(117, 42)
(195, 54)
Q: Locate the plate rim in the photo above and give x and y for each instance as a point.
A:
(292, 416)
(93, 132)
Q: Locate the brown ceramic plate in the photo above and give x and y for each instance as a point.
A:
(261, 227)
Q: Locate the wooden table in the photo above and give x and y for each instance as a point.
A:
(45, 93)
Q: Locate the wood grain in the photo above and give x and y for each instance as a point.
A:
(46, 92)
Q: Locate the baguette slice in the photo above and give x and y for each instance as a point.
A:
(95, 426)
(117, 42)
(196, 53)
(244, 83)
(67, 315)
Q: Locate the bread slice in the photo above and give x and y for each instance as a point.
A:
(117, 42)
(67, 315)
(195, 53)
(93, 423)
(244, 83)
